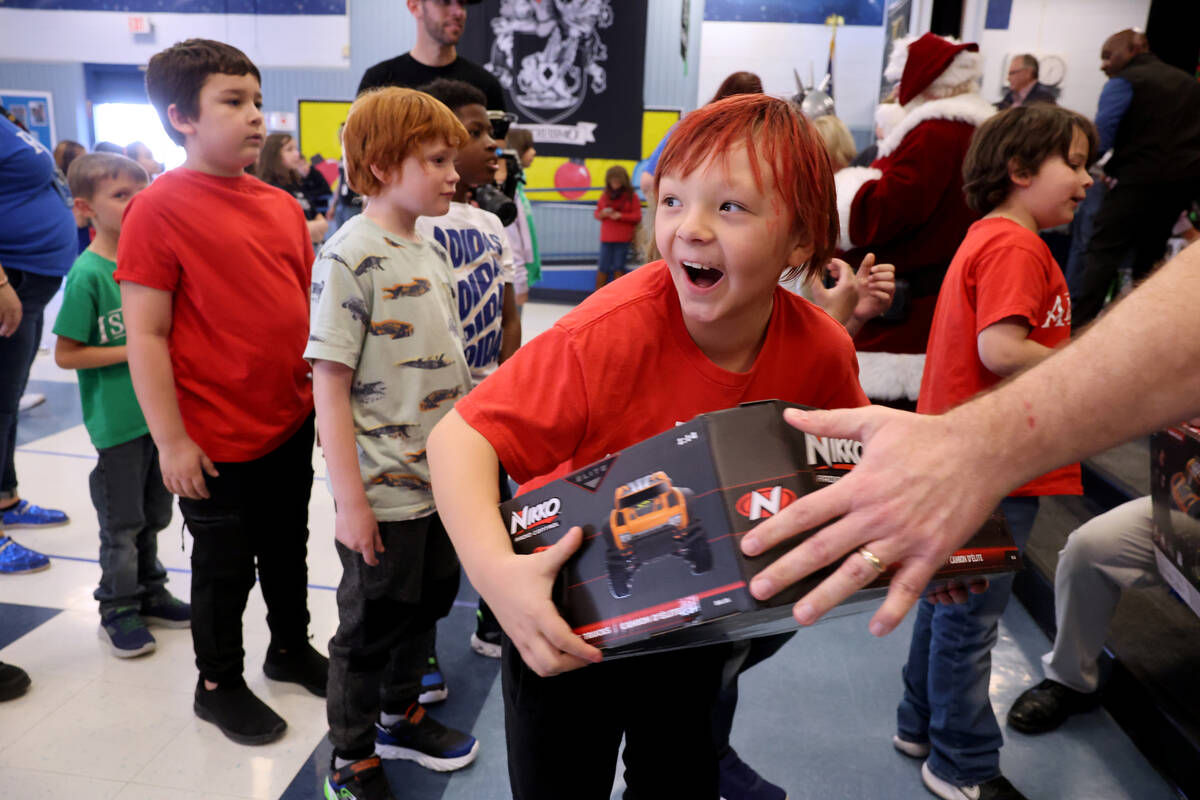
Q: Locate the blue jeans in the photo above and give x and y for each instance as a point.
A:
(613, 258)
(949, 668)
(16, 359)
(132, 506)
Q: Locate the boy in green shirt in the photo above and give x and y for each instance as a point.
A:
(127, 487)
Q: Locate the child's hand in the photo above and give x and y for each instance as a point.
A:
(184, 465)
(839, 300)
(876, 286)
(524, 609)
(954, 592)
(355, 527)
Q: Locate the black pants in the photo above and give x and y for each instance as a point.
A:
(1136, 217)
(386, 620)
(564, 732)
(256, 515)
(745, 655)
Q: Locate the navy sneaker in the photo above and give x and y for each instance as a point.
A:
(26, 515)
(18, 560)
(167, 611)
(359, 780)
(739, 781)
(125, 633)
(421, 738)
(433, 684)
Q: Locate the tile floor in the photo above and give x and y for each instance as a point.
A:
(817, 718)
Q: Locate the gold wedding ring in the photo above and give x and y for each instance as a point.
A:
(872, 559)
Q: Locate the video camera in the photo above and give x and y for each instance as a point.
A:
(500, 201)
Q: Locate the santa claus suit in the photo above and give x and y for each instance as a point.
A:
(908, 207)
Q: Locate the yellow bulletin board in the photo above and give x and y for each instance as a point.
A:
(318, 122)
(540, 174)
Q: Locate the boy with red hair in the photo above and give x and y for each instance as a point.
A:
(745, 194)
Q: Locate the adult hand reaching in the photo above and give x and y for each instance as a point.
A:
(893, 503)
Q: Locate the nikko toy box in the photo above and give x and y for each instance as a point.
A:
(1175, 493)
(660, 566)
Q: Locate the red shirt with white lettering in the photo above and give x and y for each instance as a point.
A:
(1001, 270)
(621, 368)
(236, 256)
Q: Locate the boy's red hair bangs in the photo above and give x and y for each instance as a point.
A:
(772, 132)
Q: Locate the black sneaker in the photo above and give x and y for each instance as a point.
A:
(738, 781)
(359, 780)
(997, 788)
(301, 664)
(421, 738)
(239, 714)
(486, 638)
(13, 681)
(1047, 705)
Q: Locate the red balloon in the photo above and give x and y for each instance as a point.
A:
(572, 180)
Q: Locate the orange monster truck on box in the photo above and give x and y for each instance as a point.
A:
(650, 520)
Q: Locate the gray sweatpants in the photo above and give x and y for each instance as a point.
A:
(1102, 558)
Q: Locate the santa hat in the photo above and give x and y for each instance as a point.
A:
(932, 62)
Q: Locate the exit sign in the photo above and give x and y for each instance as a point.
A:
(140, 24)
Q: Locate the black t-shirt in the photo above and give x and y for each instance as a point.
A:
(409, 73)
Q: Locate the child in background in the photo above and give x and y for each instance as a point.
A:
(522, 234)
(142, 154)
(619, 212)
(279, 164)
(732, 216)
(388, 362)
(1002, 308)
(482, 261)
(215, 268)
(838, 141)
(127, 487)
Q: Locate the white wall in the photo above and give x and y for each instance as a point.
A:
(1072, 29)
(103, 37)
(773, 49)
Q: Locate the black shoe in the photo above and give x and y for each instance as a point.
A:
(13, 681)
(239, 714)
(301, 664)
(359, 780)
(1047, 705)
(998, 788)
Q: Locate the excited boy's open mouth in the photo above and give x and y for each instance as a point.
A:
(701, 276)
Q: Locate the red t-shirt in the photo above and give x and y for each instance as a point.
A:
(1001, 270)
(621, 229)
(621, 368)
(236, 255)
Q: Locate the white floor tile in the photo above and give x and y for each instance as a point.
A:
(107, 731)
(31, 784)
(141, 791)
(47, 693)
(199, 758)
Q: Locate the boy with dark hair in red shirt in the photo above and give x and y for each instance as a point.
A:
(745, 194)
(215, 269)
(1002, 308)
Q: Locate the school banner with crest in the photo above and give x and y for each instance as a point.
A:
(572, 72)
